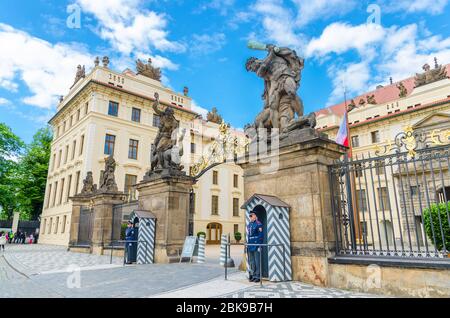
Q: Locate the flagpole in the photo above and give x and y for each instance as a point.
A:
(356, 219)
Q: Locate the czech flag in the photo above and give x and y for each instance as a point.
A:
(342, 135)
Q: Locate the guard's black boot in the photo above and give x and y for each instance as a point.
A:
(250, 278)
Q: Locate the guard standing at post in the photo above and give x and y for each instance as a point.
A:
(255, 235)
(129, 238)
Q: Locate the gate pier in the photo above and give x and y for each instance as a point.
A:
(168, 199)
(301, 180)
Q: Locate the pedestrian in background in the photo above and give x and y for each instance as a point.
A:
(2, 241)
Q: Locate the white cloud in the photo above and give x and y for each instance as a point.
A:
(198, 109)
(278, 23)
(396, 52)
(129, 27)
(341, 37)
(46, 69)
(4, 101)
(433, 7)
(352, 79)
(207, 43)
(222, 6)
(309, 11)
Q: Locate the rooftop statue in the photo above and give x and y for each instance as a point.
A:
(167, 149)
(403, 92)
(147, 69)
(281, 71)
(431, 75)
(81, 73)
(213, 116)
(107, 179)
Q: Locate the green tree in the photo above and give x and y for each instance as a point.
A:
(33, 169)
(434, 217)
(10, 149)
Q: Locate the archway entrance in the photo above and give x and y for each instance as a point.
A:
(213, 233)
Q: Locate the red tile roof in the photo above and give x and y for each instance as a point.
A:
(383, 95)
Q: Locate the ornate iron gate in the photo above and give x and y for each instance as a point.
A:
(85, 226)
(395, 205)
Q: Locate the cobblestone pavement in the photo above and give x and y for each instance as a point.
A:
(14, 284)
(294, 290)
(41, 271)
(35, 259)
(238, 286)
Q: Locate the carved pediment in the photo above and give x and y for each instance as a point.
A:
(433, 120)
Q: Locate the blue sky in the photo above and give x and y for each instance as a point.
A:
(202, 44)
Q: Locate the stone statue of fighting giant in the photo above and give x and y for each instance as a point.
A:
(281, 71)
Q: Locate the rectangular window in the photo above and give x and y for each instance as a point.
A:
(235, 206)
(355, 141)
(358, 170)
(110, 140)
(54, 162)
(61, 192)
(69, 185)
(215, 177)
(375, 136)
(74, 147)
(384, 203)
(71, 121)
(414, 191)
(81, 144)
(192, 147)
(235, 181)
(63, 227)
(50, 226)
(133, 149)
(379, 167)
(136, 115)
(64, 127)
(49, 195)
(77, 181)
(78, 114)
(56, 225)
(59, 159)
(236, 228)
(129, 189)
(113, 109)
(67, 154)
(86, 108)
(215, 205)
(156, 120)
(362, 200)
(55, 193)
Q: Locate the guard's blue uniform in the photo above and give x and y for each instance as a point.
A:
(130, 235)
(255, 235)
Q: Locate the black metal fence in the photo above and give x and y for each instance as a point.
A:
(395, 205)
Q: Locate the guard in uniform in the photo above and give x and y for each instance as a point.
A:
(130, 236)
(255, 235)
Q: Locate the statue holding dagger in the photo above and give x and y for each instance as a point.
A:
(281, 71)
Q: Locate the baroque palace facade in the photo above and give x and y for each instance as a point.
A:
(106, 112)
(417, 104)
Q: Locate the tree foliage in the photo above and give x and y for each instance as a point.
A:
(436, 220)
(23, 173)
(33, 169)
(10, 149)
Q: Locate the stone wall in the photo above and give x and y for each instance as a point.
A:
(392, 281)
